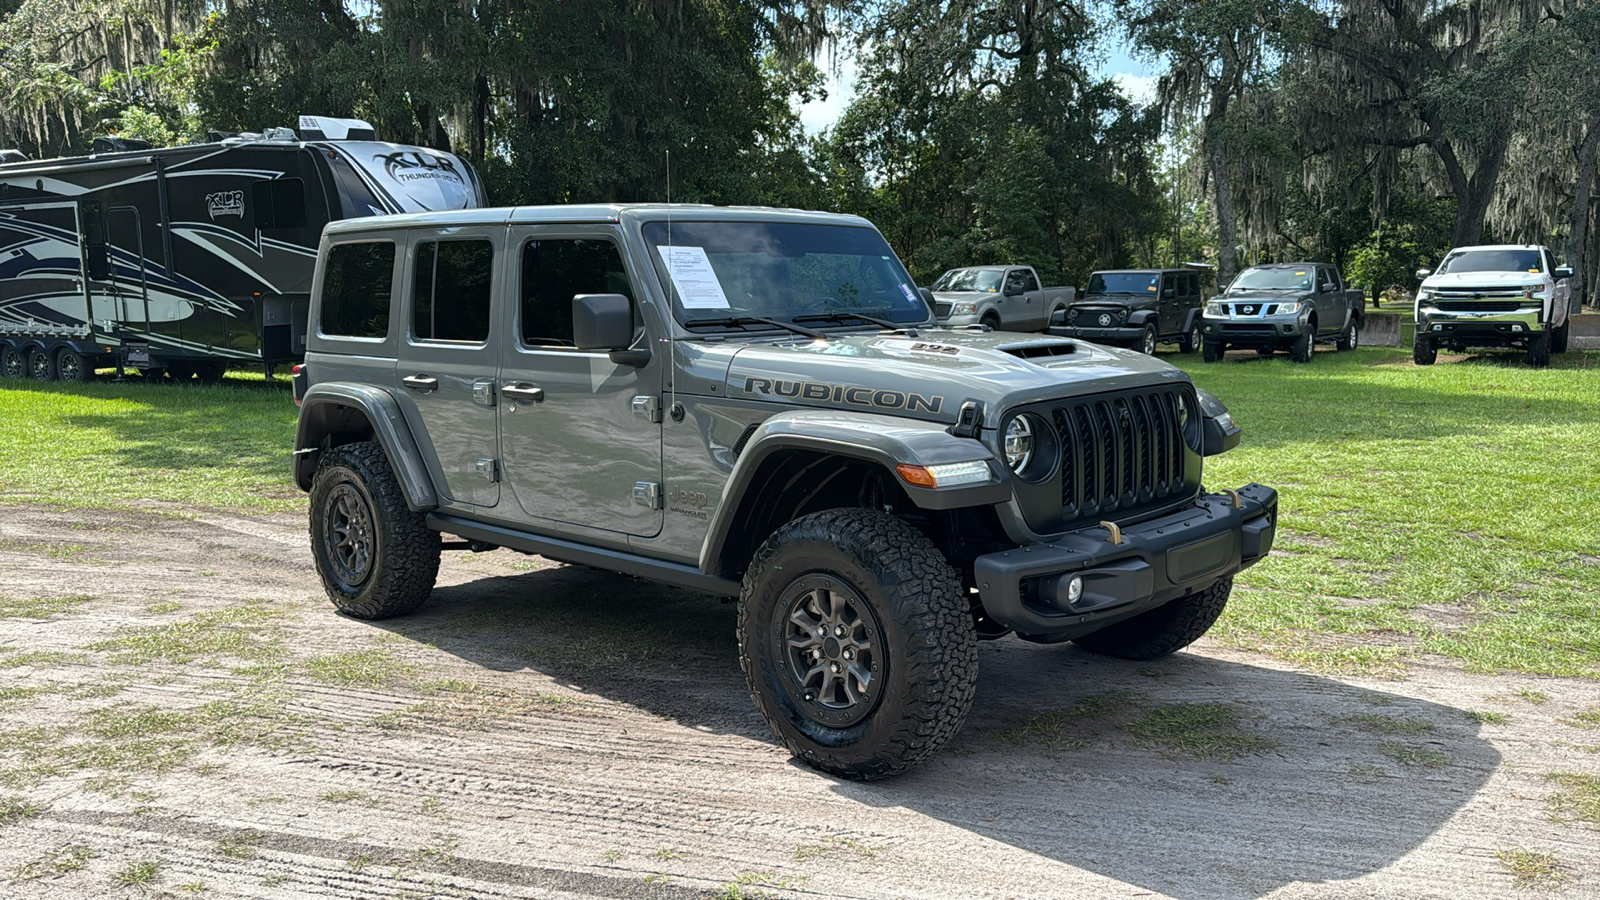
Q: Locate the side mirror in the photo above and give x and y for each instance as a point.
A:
(1014, 291)
(1423, 273)
(605, 322)
(1169, 292)
(1563, 272)
(1329, 287)
(927, 296)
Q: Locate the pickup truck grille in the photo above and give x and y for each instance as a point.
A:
(1483, 305)
(1121, 452)
(941, 309)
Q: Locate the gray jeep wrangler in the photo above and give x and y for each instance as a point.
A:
(757, 404)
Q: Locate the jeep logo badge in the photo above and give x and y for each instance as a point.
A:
(1105, 319)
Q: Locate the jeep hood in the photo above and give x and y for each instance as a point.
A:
(931, 375)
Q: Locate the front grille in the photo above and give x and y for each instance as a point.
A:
(1482, 305)
(941, 310)
(1121, 452)
(1102, 317)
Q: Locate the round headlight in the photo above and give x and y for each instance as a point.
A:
(1189, 422)
(1019, 443)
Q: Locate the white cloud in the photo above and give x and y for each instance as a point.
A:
(841, 86)
(1140, 88)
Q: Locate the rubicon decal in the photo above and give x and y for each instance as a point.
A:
(840, 393)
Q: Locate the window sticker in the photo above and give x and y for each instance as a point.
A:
(1299, 273)
(694, 278)
(910, 294)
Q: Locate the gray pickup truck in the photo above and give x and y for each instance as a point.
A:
(1005, 298)
(758, 405)
(1284, 306)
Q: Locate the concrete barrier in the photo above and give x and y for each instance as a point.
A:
(1585, 333)
(1382, 329)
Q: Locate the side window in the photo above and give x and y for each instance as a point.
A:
(356, 288)
(1168, 282)
(555, 271)
(1191, 284)
(1325, 277)
(1029, 282)
(450, 291)
(279, 203)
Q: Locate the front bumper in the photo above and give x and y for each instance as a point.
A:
(1485, 329)
(958, 321)
(1253, 331)
(1158, 560)
(1126, 334)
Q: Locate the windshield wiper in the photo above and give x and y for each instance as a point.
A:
(841, 316)
(736, 321)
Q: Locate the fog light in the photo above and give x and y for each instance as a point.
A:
(1438, 328)
(1516, 327)
(1075, 589)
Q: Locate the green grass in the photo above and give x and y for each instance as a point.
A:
(1581, 800)
(1443, 510)
(1532, 868)
(40, 607)
(1197, 731)
(106, 445)
(140, 874)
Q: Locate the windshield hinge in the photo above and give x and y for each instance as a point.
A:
(969, 421)
(647, 408)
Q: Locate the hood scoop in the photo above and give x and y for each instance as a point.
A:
(1040, 350)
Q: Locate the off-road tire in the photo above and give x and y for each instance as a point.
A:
(1147, 339)
(1191, 341)
(1305, 346)
(71, 367)
(925, 650)
(1166, 629)
(1423, 350)
(1558, 338)
(41, 365)
(1211, 350)
(1539, 350)
(355, 492)
(13, 362)
(1350, 337)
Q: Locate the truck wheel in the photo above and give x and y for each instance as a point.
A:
(1423, 351)
(1558, 338)
(1190, 342)
(40, 366)
(1350, 338)
(1211, 351)
(1304, 346)
(1539, 350)
(12, 362)
(1166, 629)
(376, 557)
(1147, 339)
(72, 367)
(857, 643)
(991, 320)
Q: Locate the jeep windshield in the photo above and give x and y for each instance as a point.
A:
(1491, 261)
(736, 274)
(1123, 283)
(985, 280)
(1274, 279)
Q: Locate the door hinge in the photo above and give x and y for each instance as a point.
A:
(647, 408)
(483, 391)
(488, 468)
(647, 494)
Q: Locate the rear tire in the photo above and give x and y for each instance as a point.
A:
(1539, 350)
(1211, 350)
(890, 608)
(41, 366)
(1147, 339)
(71, 367)
(1192, 341)
(1166, 629)
(1304, 346)
(376, 557)
(1423, 351)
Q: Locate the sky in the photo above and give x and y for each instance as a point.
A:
(1136, 77)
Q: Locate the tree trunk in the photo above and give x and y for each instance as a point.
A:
(1578, 237)
(1227, 227)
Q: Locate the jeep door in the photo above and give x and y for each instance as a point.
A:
(1170, 320)
(445, 368)
(574, 443)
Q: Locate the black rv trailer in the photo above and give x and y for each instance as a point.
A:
(184, 260)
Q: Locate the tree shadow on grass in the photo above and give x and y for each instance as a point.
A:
(1302, 779)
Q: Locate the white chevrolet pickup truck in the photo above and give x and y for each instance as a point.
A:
(1502, 295)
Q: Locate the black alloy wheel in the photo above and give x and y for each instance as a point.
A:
(40, 366)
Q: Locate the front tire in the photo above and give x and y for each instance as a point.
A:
(376, 557)
(1558, 338)
(1539, 350)
(1147, 339)
(1211, 351)
(1166, 629)
(991, 320)
(1190, 342)
(1304, 346)
(1423, 350)
(890, 677)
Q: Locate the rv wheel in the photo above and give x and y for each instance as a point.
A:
(40, 366)
(12, 363)
(72, 367)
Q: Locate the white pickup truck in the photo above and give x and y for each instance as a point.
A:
(1502, 295)
(1005, 298)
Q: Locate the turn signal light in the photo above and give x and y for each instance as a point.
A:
(946, 475)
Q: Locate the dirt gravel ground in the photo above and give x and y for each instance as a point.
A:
(182, 713)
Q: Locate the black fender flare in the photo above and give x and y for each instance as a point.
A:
(887, 441)
(1138, 317)
(333, 408)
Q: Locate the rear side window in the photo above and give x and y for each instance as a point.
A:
(450, 291)
(356, 289)
(553, 272)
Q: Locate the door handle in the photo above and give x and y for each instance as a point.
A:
(422, 384)
(522, 392)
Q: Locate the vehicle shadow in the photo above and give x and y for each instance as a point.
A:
(1191, 776)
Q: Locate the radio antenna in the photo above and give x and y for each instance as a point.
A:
(672, 321)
